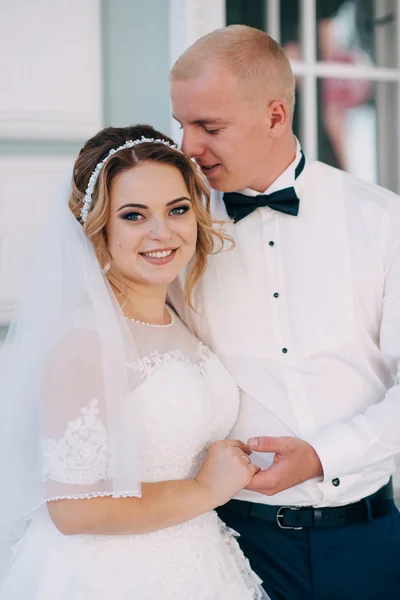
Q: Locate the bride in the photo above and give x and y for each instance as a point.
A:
(113, 416)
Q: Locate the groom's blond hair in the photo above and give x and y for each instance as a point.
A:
(258, 62)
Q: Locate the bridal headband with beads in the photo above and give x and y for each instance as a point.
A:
(87, 200)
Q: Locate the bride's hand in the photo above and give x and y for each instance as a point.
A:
(226, 470)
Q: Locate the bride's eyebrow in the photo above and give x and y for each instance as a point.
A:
(143, 206)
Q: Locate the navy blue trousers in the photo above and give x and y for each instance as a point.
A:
(356, 562)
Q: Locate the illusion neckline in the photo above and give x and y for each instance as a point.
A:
(170, 312)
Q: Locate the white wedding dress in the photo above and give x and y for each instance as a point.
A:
(188, 401)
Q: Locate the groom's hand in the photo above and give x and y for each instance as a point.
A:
(295, 461)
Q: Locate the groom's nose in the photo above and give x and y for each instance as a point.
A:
(192, 144)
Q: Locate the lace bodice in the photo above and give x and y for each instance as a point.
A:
(187, 401)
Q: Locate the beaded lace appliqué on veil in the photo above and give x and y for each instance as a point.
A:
(81, 456)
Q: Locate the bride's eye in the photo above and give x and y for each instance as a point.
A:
(133, 216)
(180, 210)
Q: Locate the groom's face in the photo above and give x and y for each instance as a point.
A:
(224, 129)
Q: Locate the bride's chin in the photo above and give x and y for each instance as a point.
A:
(160, 279)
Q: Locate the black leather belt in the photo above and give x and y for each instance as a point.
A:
(296, 517)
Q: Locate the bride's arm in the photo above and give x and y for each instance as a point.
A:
(162, 505)
(76, 455)
(225, 472)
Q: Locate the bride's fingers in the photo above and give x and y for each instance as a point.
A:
(238, 444)
(252, 467)
(246, 458)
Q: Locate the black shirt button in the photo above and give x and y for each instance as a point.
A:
(276, 295)
(284, 350)
(336, 482)
(272, 243)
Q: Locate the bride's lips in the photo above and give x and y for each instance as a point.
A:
(162, 260)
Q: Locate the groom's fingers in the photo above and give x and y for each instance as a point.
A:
(270, 444)
(295, 461)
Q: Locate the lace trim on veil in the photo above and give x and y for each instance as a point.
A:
(82, 455)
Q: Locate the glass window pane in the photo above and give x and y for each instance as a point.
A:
(243, 12)
(357, 129)
(357, 32)
(290, 28)
(255, 14)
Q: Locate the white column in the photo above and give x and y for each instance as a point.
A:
(309, 87)
(190, 20)
(396, 478)
(397, 21)
(273, 24)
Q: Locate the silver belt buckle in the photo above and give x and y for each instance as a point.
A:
(279, 516)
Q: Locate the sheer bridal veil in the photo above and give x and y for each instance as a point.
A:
(68, 358)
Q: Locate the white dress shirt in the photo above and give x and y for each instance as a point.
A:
(305, 313)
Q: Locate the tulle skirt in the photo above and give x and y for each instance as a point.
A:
(197, 560)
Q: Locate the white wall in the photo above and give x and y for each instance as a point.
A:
(50, 101)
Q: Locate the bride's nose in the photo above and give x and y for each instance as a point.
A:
(160, 230)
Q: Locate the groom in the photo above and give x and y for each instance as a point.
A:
(305, 313)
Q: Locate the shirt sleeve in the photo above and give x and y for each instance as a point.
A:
(348, 449)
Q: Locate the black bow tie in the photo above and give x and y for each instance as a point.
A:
(239, 206)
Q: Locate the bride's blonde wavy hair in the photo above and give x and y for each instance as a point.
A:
(209, 239)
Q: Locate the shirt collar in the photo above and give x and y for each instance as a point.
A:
(285, 179)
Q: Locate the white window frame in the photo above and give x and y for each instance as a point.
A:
(310, 70)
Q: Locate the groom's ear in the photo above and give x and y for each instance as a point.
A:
(277, 115)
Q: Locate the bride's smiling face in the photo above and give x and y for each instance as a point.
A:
(152, 227)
